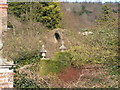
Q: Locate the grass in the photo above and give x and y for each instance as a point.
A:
(50, 66)
(54, 65)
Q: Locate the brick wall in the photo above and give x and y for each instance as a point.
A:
(3, 17)
(6, 75)
(0, 21)
(6, 78)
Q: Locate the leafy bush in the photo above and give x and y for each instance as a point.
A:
(21, 81)
(27, 60)
(105, 15)
(64, 57)
(85, 54)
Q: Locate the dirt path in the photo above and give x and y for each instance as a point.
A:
(87, 76)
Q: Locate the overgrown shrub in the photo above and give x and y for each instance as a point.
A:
(23, 41)
(58, 63)
(85, 54)
(50, 66)
(21, 81)
(27, 60)
(64, 57)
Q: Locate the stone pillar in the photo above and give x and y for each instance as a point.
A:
(6, 71)
(3, 27)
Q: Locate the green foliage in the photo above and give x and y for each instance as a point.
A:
(113, 65)
(107, 37)
(27, 60)
(47, 13)
(58, 63)
(64, 57)
(105, 14)
(21, 81)
(9, 25)
(106, 11)
(85, 54)
(51, 67)
(114, 70)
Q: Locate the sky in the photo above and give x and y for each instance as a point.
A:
(103, 1)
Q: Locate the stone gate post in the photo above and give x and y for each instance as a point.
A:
(6, 71)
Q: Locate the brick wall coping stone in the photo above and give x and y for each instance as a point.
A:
(7, 66)
(6, 70)
(3, 5)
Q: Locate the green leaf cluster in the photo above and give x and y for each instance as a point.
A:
(85, 54)
(64, 57)
(27, 60)
(47, 13)
(105, 14)
(21, 81)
